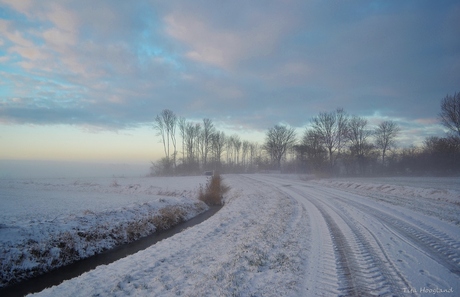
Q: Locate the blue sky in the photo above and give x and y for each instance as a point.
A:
(84, 79)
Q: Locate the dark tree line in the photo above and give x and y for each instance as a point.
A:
(339, 144)
(334, 144)
(438, 155)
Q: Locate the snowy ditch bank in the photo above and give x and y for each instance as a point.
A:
(256, 245)
(47, 224)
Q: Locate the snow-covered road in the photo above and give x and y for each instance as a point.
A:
(281, 236)
(367, 247)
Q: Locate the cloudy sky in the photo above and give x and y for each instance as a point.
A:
(84, 79)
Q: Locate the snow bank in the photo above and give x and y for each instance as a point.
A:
(51, 223)
(439, 197)
(422, 191)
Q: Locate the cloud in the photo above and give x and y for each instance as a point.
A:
(21, 6)
(248, 64)
(227, 46)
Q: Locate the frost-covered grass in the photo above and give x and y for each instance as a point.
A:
(49, 223)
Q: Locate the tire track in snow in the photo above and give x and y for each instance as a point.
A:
(437, 245)
(358, 269)
(363, 269)
(321, 278)
(392, 278)
(429, 240)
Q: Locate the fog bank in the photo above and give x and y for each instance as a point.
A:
(66, 169)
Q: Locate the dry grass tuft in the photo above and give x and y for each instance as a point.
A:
(213, 192)
(168, 217)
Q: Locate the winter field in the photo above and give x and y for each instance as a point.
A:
(48, 223)
(279, 235)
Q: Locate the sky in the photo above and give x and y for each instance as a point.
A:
(83, 80)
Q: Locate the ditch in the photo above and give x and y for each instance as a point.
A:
(57, 276)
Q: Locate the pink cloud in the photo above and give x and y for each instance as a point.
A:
(23, 6)
(226, 47)
(62, 18)
(30, 53)
(14, 36)
(427, 121)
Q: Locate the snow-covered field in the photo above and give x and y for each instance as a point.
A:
(277, 236)
(47, 223)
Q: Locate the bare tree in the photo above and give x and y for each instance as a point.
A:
(244, 152)
(450, 113)
(206, 134)
(170, 120)
(236, 141)
(342, 128)
(253, 148)
(331, 128)
(192, 133)
(217, 147)
(182, 123)
(165, 124)
(229, 149)
(358, 134)
(160, 127)
(196, 146)
(385, 136)
(278, 140)
(316, 154)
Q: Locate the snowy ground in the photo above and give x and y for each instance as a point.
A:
(47, 223)
(289, 236)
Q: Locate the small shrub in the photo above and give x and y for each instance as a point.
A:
(213, 192)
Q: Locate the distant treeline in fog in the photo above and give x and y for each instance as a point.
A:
(335, 144)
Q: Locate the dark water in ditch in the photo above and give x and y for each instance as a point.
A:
(61, 274)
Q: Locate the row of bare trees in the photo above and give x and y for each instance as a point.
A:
(339, 144)
(203, 147)
(332, 136)
(335, 143)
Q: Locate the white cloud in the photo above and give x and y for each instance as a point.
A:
(226, 47)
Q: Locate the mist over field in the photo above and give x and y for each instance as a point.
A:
(69, 169)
